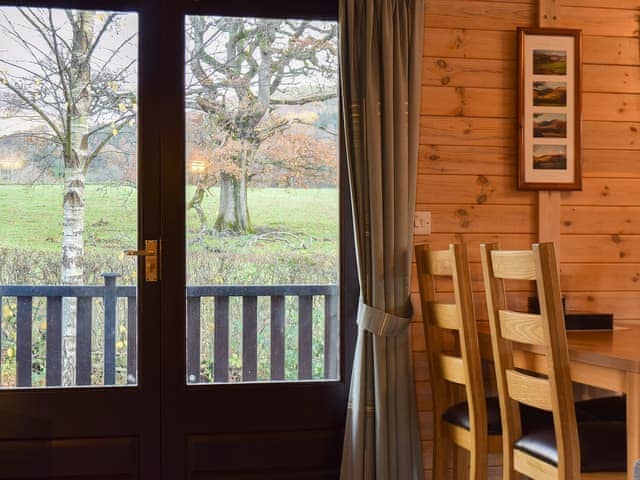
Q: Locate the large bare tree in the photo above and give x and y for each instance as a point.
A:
(241, 69)
(64, 72)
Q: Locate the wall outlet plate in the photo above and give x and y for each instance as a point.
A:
(422, 223)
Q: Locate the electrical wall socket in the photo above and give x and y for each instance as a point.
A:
(422, 223)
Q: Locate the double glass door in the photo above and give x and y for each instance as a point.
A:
(171, 287)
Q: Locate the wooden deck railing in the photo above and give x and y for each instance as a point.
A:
(110, 293)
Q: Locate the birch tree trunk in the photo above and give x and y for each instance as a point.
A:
(75, 158)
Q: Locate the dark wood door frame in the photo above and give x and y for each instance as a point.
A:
(310, 422)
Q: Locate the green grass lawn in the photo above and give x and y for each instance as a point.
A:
(31, 216)
(295, 229)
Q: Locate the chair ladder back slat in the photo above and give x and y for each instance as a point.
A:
(439, 263)
(444, 315)
(522, 327)
(451, 368)
(528, 389)
(513, 264)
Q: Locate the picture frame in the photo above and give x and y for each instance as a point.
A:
(549, 109)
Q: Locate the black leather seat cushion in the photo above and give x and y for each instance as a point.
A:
(606, 408)
(532, 418)
(603, 446)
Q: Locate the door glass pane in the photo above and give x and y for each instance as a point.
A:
(68, 197)
(262, 200)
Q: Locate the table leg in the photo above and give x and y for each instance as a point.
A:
(633, 421)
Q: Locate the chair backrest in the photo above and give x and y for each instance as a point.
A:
(461, 365)
(547, 331)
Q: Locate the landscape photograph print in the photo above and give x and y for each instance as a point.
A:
(549, 94)
(549, 62)
(549, 109)
(549, 157)
(550, 125)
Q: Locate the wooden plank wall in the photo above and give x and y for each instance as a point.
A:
(466, 175)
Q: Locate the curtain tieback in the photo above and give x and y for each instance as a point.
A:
(380, 322)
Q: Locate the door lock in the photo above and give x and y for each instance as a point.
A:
(151, 255)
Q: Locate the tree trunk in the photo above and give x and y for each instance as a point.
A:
(196, 204)
(75, 159)
(233, 212)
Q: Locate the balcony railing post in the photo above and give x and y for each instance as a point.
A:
(24, 342)
(331, 336)
(54, 341)
(110, 299)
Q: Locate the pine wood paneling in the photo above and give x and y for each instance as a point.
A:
(610, 50)
(611, 135)
(449, 159)
(609, 163)
(623, 305)
(478, 15)
(605, 192)
(486, 219)
(478, 189)
(616, 107)
(618, 4)
(581, 277)
(467, 158)
(611, 78)
(463, 43)
(468, 102)
(612, 248)
(618, 23)
(468, 72)
(617, 220)
(494, 132)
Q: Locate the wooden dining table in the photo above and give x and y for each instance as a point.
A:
(607, 359)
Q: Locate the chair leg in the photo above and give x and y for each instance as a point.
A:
(508, 472)
(442, 445)
(461, 458)
(478, 465)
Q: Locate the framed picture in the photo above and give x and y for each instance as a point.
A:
(549, 109)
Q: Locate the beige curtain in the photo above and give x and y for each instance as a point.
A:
(381, 56)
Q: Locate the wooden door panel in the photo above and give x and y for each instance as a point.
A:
(88, 458)
(249, 455)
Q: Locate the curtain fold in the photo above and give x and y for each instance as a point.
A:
(381, 57)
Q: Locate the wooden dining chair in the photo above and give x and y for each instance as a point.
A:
(567, 449)
(473, 425)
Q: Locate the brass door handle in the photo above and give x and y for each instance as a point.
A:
(150, 254)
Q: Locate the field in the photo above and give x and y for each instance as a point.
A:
(32, 215)
(295, 241)
(297, 223)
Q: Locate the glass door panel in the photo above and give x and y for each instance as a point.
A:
(262, 200)
(68, 197)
